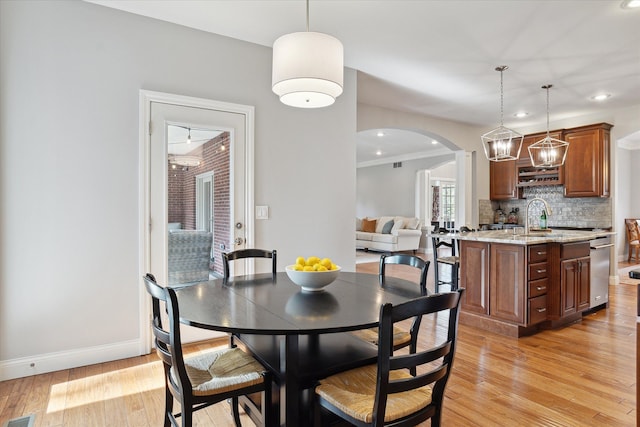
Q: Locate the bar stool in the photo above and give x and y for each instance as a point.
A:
(453, 261)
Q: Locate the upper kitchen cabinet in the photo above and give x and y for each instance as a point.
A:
(502, 180)
(587, 163)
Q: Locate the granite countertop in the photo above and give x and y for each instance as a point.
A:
(533, 238)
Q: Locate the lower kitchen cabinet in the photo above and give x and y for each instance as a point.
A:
(574, 285)
(507, 292)
(474, 276)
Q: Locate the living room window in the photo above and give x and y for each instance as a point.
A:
(443, 199)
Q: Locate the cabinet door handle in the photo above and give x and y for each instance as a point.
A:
(541, 271)
(541, 253)
(541, 288)
(541, 309)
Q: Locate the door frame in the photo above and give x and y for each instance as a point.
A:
(146, 97)
(200, 180)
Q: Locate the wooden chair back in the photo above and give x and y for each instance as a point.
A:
(248, 253)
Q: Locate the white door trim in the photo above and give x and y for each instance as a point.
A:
(144, 144)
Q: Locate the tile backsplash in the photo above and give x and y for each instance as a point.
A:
(582, 212)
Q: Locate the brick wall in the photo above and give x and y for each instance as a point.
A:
(182, 194)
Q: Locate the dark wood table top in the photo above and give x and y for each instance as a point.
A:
(267, 305)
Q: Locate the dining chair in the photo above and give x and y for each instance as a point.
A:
(384, 393)
(248, 253)
(204, 379)
(401, 337)
(451, 260)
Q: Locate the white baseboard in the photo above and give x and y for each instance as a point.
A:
(50, 362)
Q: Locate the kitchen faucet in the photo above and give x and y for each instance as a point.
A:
(526, 213)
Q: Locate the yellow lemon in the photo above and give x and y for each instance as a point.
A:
(300, 261)
(313, 260)
(334, 267)
(297, 267)
(307, 268)
(326, 262)
(321, 267)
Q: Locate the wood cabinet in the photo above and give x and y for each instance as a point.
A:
(584, 174)
(574, 285)
(495, 278)
(474, 276)
(573, 274)
(502, 180)
(507, 293)
(537, 283)
(587, 162)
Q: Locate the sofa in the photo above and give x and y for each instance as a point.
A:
(388, 233)
(189, 256)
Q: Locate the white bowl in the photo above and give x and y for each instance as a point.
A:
(312, 281)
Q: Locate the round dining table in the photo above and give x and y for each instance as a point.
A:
(299, 336)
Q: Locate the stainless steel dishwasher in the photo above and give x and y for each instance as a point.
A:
(600, 256)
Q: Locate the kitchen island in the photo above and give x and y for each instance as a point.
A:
(518, 284)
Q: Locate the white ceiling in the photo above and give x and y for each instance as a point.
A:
(438, 57)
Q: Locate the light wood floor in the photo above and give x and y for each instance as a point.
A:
(582, 375)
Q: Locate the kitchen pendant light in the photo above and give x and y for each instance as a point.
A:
(548, 152)
(307, 68)
(501, 143)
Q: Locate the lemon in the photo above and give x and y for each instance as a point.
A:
(312, 260)
(334, 267)
(326, 262)
(300, 261)
(307, 268)
(298, 267)
(321, 267)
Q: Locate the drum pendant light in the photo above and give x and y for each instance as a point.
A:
(307, 68)
(501, 143)
(548, 152)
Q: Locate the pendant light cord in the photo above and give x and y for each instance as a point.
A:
(501, 68)
(547, 87)
(307, 16)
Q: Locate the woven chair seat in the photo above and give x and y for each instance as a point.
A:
(220, 371)
(400, 336)
(449, 259)
(353, 392)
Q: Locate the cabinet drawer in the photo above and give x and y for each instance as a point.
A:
(538, 271)
(574, 250)
(537, 253)
(537, 309)
(538, 287)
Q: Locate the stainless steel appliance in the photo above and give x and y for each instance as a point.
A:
(600, 256)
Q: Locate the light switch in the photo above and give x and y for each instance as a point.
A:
(262, 212)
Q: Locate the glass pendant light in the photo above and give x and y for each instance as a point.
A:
(548, 152)
(501, 143)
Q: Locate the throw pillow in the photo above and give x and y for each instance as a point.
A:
(397, 225)
(412, 223)
(358, 224)
(381, 222)
(369, 225)
(386, 229)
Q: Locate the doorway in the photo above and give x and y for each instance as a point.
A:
(159, 112)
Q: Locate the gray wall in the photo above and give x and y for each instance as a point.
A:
(385, 190)
(70, 76)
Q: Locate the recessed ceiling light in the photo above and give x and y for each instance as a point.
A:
(378, 153)
(601, 97)
(630, 4)
(434, 142)
(521, 114)
(380, 133)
